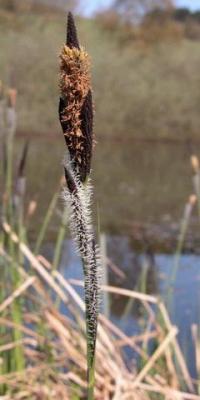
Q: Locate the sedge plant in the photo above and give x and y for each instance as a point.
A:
(76, 118)
(11, 210)
(179, 248)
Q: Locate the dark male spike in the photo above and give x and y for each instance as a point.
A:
(23, 159)
(87, 116)
(87, 131)
(72, 38)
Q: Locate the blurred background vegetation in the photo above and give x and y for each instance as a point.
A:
(145, 55)
(145, 69)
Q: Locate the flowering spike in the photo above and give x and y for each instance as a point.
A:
(75, 106)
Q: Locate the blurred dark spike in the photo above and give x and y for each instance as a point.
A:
(87, 130)
(23, 159)
(70, 181)
(72, 38)
(87, 117)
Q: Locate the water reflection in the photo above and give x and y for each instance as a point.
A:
(136, 183)
(139, 273)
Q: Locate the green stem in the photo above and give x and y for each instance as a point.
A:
(58, 248)
(91, 379)
(60, 239)
(183, 231)
(196, 181)
(9, 156)
(90, 362)
(91, 342)
(46, 223)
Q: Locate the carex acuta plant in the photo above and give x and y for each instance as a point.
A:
(76, 118)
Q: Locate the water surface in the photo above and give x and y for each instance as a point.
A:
(136, 183)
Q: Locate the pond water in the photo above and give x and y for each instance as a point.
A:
(140, 193)
(136, 184)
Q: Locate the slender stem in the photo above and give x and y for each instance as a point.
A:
(196, 181)
(90, 316)
(46, 221)
(60, 239)
(90, 357)
(183, 231)
(105, 281)
(9, 157)
(91, 378)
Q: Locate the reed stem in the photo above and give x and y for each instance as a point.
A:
(183, 230)
(46, 221)
(60, 239)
